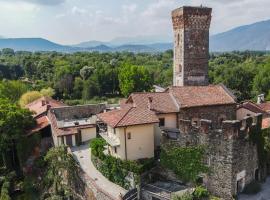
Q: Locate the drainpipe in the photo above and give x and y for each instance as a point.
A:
(125, 134)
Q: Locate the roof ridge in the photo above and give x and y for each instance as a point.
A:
(128, 110)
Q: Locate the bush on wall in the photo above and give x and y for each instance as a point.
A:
(185, 162)
(115, 169)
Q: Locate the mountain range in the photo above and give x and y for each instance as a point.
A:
(249, 37)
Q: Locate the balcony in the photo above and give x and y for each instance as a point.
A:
(111, 141)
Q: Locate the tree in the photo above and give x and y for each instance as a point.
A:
(29, 97)
(48, 92)
(78, 88)
(86, 72)
(14, 122)
(62, 174)
(134, 79)
(262, 79)
(12, 90)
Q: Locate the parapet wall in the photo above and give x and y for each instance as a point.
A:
(230, 129)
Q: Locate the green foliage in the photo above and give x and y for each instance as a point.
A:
(14, 123)
(97, 147)
(134, 79)
(200, 192)
(12, 90)
(185, 196)
(116, 169)
(62, 173)
(186, 162)
(29, 97)
(252, 188)
(5, 191)
(47, 92)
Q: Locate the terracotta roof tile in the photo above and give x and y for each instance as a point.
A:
(128, 117)
(41, 122)
(265, 106)
(265, 123)
(160, 102)
(40, 105)
(253, 107)
(192, 96)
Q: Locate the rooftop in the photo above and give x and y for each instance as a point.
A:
(42, 105)
(195, 96)
(128, 116)
(253, 107)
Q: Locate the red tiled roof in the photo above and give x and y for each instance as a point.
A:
(41, 122)
(128, 117)
(160, 102)
(265, 106)
(38, 107)
(192, 96)
(252, 107)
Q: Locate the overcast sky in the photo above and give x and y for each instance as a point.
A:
(74, 21)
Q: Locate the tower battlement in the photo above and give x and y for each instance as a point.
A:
(192, 17)
(230, 129)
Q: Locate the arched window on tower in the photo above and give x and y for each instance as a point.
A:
(178, 39)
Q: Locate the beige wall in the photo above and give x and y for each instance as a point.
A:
(88, 134)
(170, 119)
(141, 144)
(242, 112)
(157, 135)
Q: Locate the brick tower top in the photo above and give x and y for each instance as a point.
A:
(191, 45)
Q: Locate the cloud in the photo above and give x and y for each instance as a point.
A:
(40, 2)
(129, 8)
(76, 10)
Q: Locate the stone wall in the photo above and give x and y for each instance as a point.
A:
(231, 155)
(216, 113)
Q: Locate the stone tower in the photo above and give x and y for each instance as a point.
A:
(191, 45)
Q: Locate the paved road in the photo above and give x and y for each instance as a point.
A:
(263, 195)
(82, 155)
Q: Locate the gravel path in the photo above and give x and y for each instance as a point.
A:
(263, 195)
(82, 155)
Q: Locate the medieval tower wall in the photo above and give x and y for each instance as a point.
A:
(191, 45)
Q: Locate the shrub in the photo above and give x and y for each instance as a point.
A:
(185, 162)
(97, 147)
(200, 192)
(214, 198)
(185, 196)
(252, 188)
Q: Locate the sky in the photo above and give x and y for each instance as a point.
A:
(75, 21)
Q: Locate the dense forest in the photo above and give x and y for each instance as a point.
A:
(88, 77)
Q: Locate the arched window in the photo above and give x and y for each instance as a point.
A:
(178, 39)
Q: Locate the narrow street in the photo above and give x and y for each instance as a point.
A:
(82, 155)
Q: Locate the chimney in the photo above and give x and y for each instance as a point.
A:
(150, 101)
(43, 102)
(260, 98)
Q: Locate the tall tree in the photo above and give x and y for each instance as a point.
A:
(62, 174)
(14, 122)
(134, 79)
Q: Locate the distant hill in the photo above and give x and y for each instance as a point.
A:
(249, 37)
(32, 44)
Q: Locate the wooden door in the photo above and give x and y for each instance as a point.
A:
(69, 140)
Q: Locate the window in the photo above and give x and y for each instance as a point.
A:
(129, 136)
(115, 149)
(178, 39)
(114, 131)
(161, 122)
